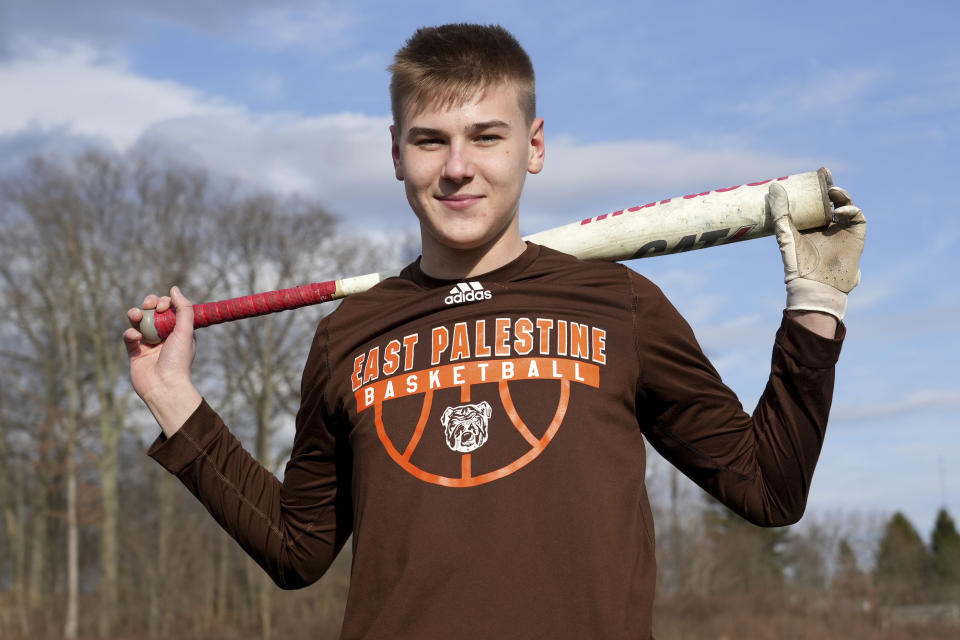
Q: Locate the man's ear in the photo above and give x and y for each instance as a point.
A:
(537, 148)
(395, 152)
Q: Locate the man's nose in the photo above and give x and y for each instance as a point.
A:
(459, 165)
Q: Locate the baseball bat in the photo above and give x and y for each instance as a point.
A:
(661, 227)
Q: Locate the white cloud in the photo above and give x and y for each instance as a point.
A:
(911, 402)
(77, 89)
(319, 27)
(820, 92)
(343, 159)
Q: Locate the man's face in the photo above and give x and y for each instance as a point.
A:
(463, 167)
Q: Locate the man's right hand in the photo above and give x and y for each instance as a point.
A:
(160, 373)
(821, 266)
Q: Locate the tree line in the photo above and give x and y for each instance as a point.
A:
(834, 575)
(98, 541)
(95, 539)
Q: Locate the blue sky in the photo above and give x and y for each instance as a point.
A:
(663, 99)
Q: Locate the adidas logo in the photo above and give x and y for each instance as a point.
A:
(467, 292)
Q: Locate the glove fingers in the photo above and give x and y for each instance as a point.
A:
(786, 232)
(849, 214)
(780, 211)
(777, 201)
(839, 196)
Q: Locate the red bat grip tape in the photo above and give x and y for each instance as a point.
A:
(258, 304)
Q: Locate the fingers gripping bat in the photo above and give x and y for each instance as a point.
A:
(673, 225)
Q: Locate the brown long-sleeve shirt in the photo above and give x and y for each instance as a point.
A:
(483, 442)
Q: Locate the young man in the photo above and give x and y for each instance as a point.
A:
(477, 423)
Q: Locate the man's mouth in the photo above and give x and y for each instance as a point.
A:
(459, 201)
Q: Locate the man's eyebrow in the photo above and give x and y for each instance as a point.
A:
(414, 132)
(489, 124)
(427, 132)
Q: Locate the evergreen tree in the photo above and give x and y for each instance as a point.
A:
(945, 543)
(903, 563)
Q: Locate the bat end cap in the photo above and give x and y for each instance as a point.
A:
(147, 328)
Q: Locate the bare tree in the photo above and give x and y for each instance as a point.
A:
(13, 556)
(269, 243)
(84, 516)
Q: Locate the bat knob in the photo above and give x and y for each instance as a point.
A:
(148, 329)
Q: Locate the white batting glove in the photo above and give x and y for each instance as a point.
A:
(820, 266)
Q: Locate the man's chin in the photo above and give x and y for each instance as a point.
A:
(464, 240)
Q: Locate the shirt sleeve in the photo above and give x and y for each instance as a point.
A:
(294, 528)
(759, 466)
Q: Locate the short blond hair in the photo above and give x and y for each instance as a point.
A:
(450, 64)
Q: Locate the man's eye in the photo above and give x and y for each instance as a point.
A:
(429, 142)
(489, 138)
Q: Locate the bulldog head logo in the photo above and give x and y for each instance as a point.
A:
(465, 427)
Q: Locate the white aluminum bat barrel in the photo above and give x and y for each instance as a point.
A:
(693, 221)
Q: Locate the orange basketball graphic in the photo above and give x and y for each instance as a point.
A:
(553, 371)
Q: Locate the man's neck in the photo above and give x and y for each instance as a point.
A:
(445, 263)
